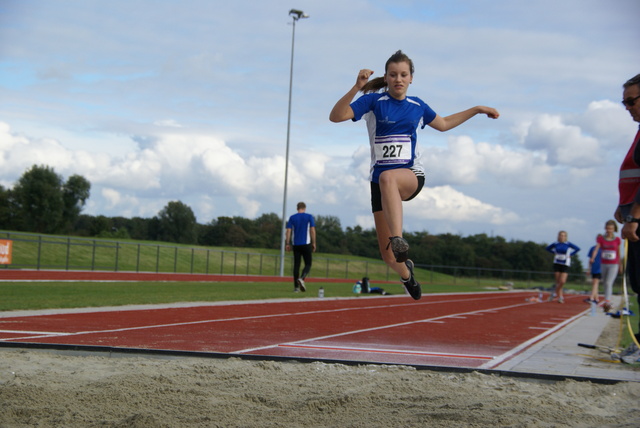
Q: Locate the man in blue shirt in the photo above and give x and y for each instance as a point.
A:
(303, 228)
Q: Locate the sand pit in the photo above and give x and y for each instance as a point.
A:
(39, 388)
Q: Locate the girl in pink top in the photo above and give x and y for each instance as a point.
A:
(609, 246)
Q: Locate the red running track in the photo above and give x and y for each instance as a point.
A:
(479, 330)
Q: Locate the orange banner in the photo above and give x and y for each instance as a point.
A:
(5, 251)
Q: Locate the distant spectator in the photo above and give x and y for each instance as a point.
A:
(301, 231)
(595, 272)
(562, 251)
(609, 249)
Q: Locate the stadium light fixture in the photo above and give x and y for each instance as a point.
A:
(296, 15)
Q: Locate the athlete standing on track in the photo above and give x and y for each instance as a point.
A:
(628, 210)
(609, 247)
(303, 228)
(595, 271)
(396, 173)
(562, 250)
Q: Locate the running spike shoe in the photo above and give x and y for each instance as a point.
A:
(400, 248)
(411, 285)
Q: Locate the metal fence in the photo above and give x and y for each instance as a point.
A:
(45, 252)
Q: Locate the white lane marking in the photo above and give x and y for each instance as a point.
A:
(57, 333)
(253, 317)
(388, 351)
(383, 327)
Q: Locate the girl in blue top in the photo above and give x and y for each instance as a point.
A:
(595, 270)
(562, 251)
(396, 172)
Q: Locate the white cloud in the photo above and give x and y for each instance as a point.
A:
(446, 203)
(167, 123)
(465, 162)
(563, 144)
(203, 171)
(19, 152)
(459, 163)
(112, 196)
(515, 168)
(365, 222)
(312, 164)
(127, 205)
(251, 207)
(609, 122)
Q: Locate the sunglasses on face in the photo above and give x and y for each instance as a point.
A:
(629, 102)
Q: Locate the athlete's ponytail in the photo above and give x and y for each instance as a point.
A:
(374, 85)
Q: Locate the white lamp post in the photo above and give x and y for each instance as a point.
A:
(295, 14)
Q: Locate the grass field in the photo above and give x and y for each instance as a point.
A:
(32, 251)
(49, 295)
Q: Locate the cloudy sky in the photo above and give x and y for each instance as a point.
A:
(156, 100)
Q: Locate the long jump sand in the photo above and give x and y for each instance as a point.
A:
(45, 389)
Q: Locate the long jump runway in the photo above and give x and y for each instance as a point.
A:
(479, 330)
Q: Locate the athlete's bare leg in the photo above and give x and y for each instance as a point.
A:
(383, 233)
(595, 287)
(561, 279)
(396, 185)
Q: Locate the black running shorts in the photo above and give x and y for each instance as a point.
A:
(376, 196)
(557, 267)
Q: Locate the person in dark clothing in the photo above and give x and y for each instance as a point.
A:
(301, 231)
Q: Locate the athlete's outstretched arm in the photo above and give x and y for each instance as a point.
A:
(342, 110)
(449, 122)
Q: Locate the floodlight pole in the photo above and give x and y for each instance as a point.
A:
(295, 14)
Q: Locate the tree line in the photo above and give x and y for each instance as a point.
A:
(42, 202)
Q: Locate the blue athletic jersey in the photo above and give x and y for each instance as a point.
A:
(595, 266)
(562, 252)
(392, 126)
(300, 225)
